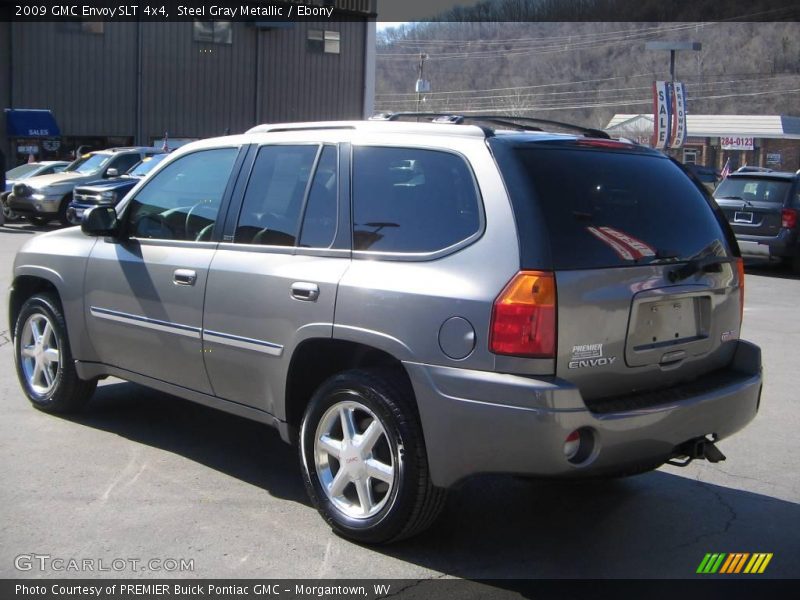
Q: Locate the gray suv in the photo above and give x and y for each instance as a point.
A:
(409, 303)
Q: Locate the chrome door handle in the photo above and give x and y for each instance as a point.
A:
(184, 277)
(302, 290)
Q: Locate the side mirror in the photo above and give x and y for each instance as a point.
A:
(100, 220)
(112, 173)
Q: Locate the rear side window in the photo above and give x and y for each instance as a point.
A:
(753, 190)
(274, 198)
(411, 200)
(601, 208)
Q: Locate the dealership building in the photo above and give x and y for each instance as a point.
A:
(771, 141)
(91, 84)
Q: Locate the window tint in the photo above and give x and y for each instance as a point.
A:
(411, 200)
(760, 190)
(319, 221)
(181, 202)
(602, 208)
(274, 198)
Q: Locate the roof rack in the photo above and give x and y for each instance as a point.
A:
(503, 120)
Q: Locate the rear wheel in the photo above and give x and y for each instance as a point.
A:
(44, 363)
(363, 458)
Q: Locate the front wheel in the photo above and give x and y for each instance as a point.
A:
(44, 362)
(8, 215)
(363, 458)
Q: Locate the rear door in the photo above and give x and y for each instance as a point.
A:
(646, 283)
(273, 282)
(753, 205)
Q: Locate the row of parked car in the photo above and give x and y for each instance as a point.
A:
(57, 190)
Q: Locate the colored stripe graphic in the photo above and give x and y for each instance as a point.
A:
(758, 563)
(711, 563)
(734, 563)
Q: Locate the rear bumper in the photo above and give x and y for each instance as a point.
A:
(480, 422)
(785, 244)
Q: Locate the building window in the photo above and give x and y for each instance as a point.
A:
(324, 41)
(690, 156)
(213, 32)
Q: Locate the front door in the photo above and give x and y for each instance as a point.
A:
(144, 294)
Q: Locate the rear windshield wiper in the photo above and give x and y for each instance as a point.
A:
(706, 264)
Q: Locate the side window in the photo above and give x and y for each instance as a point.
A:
(411, 200)
(273, 200)
(182, 201)
(319, 220)
(124, 162)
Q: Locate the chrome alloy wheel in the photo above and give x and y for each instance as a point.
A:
(354, 459)
(39, 353)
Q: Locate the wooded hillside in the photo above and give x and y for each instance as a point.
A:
(586, 71)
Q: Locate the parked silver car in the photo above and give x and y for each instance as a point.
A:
(410, 303)
(26, 171)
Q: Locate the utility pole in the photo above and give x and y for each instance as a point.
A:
(422, 85)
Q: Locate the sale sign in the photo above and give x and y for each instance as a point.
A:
(662, 118)
(678, 115)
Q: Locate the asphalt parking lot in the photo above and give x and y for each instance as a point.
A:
(143, 476)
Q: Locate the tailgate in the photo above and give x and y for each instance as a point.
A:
(646, 281)
(627, 330)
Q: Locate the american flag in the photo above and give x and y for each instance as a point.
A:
(165, 145)
(726, 170)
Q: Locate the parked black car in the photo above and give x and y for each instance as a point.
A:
(762, 207)
(108, 191)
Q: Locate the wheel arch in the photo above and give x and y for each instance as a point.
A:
(35, 280)
(317, 359)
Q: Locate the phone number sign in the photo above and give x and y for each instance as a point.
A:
(736, 143)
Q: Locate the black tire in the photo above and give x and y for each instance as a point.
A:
(62, 210)
(39, 221)
(67, 393)
(411, 503)
(9, 215)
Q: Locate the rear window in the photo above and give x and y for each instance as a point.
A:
(411, 200)
(753, 190)
(601, 208)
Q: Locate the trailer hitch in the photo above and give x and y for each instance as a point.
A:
(698, 448)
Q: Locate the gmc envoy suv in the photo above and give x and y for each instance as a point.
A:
(411, 303)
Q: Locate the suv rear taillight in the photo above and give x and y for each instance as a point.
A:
(524, 316)
(788, 218)
(740, 272)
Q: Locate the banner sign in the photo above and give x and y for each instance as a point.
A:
(736, 142)
(669, 114)
(678, 114)
(661, 115)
